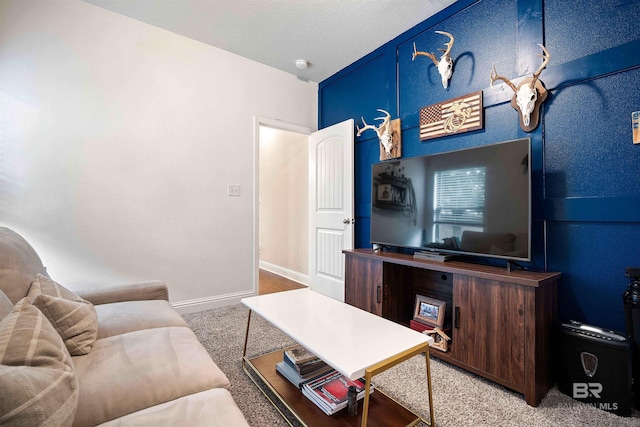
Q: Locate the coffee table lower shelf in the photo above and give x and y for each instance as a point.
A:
(383, 411)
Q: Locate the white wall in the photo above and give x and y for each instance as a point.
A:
(284, 203)
(118, 141)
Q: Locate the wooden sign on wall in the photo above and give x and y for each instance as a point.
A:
(458, 115)
(396, 135)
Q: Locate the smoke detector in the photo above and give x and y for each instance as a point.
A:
(301, 64)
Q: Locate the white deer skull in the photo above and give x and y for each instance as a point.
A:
(383, 131)
(528, 95)
(445, 64)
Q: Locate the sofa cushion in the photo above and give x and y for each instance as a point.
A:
(5, 305)
(37, 379)
(19, 264)
(128, 316)
(129, 372)
(213, 407)
(480, 242)
(137, 291)
(75, 319)
(520, 246)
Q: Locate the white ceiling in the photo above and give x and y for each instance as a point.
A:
(329, 34)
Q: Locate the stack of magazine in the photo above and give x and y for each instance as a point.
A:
(300, 365)
(323, 385)
(329, 391)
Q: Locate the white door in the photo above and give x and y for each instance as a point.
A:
(330, 207)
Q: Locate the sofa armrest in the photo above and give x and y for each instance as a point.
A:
(141, 291)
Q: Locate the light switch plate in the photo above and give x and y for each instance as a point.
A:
(233, 190)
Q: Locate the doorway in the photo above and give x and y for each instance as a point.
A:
(282, 206)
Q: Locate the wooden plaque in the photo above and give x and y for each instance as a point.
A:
(458, 115)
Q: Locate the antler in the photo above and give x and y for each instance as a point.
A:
(427, 54)
(494, 76)
(445, 52)
(385, 120)
(378, 130)
(448, 45)
(546, 58)
(366, 126)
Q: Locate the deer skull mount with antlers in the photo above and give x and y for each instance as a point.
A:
(528, 95)
(388, 133)
(445, 64)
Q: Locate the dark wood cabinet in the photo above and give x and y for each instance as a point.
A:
(489, 330)
(500, 321)
(365, 284)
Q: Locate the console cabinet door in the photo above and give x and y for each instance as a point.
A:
(488, 332)
(363, 284)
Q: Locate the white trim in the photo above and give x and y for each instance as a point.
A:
(257, 122)
(207, 303)
(296, 276)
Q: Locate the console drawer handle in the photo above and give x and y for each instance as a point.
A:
(379, 294)
(456, 317)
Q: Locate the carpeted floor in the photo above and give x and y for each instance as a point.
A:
(460, 398)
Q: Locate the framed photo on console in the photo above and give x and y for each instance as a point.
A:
(429, 311)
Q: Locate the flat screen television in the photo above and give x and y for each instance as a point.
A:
(474, 201)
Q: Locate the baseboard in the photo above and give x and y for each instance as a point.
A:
(201, 304)
(285, 272)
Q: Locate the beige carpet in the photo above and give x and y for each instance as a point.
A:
(460, 398)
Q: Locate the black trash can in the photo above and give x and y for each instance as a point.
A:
(594, 366)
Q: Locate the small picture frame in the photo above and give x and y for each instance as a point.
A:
(429, 311)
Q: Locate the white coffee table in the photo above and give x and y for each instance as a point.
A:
(354, 342)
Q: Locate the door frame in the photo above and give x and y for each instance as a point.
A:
(277, 124)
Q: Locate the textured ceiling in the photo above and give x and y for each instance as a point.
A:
(329, 34)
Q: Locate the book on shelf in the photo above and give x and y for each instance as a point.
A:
(303, 361)
(298, 354)
(329, 391)
(294, 376)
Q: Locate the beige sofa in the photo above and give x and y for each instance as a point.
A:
(507, 244)
(112, 357)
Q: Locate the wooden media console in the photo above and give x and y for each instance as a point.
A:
(500, 320)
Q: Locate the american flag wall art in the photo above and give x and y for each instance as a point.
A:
(458, 115)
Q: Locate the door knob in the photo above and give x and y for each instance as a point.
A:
(346, 221)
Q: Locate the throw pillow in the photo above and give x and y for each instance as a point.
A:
(75, 319)
(19, 264)
(37, 376)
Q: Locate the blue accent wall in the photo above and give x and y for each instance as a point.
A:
(586, 170)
